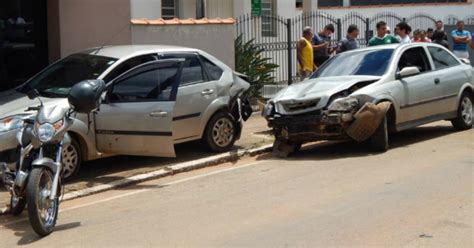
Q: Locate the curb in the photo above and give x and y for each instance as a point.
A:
(170, 170)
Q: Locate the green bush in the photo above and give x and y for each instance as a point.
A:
(249, 61)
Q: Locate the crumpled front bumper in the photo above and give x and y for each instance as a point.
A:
(325, 125)
(8, 147)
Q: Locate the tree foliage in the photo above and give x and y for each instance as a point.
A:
(249, 60)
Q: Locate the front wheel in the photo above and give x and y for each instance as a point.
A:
(17, 205)
(379, 140)
(221, 132)
(463, 121)
(42, 211)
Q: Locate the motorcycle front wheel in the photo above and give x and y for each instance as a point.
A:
(42, 211)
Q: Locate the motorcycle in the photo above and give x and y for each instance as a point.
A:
(37, 180)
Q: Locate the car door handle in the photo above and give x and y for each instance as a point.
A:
(437, 81)
(158, 113)
(207, 92)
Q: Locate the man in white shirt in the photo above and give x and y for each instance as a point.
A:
(403, 31)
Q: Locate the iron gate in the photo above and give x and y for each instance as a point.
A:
(278, 36)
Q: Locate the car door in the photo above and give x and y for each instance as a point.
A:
(136, 118)
(421, 91)
(196, 92)
(450, 75)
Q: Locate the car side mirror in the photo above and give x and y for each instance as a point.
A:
(32, 94)
(466, 61)
(408, 71)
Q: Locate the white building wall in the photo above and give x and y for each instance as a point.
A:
(187, 9)
(150, 9)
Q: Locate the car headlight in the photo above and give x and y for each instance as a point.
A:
(268, 110)
(344, 104)
(11, 123)
(46, 131)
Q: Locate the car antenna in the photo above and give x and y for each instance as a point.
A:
(113, 37)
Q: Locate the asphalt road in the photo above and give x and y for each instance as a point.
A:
(419, 193)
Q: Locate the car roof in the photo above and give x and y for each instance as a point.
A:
(396, 46)
(123, 51)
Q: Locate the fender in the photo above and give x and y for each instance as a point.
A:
(45, 162)
(80, 128)
(216, 105)
(465, 86)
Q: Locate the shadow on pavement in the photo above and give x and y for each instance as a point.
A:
(27, 236)
(331, 150)
(106, 170)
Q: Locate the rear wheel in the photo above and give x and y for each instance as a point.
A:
(42, 211)
(379, 140)
(463, 121)
(221, 132)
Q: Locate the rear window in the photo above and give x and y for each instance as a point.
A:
(215, 72)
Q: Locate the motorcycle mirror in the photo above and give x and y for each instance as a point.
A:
(32, 94)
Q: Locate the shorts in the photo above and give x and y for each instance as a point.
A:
(461, 54)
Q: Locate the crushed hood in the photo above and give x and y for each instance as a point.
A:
(318, 88)
(13, 103)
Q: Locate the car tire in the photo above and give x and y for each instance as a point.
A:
(72, 160)
(220, 133)
(379, 140)
(464, 118)
(285, 148)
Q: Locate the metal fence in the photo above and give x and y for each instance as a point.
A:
(278, 36)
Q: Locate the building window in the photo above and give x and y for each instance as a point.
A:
(268, 20)
(299, 4)
(331, 3)
(169, 9)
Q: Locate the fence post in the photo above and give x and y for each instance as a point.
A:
(290, 57)
(339, 29)
(367, 30)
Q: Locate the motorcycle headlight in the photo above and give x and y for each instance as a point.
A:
(46, 131)
(11, 123)
(344, 104)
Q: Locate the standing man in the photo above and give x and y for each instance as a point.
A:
(403, 31)
(304, 54)
(461, 40)
(382, 38)
(321, 42)
(349, 43)
(440, 28)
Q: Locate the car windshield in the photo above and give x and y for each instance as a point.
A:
(366, 62)
(57, 79)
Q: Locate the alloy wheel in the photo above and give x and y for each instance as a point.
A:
(70, 160)
(223, 132)
(466, 110)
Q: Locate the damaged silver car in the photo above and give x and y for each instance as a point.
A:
(367, 93)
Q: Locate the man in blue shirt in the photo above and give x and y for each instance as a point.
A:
(461, 40)
(321, 45)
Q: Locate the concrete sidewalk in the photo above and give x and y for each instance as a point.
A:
(108, 170)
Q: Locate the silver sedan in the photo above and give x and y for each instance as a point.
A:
(152, 102)
(366, 93)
